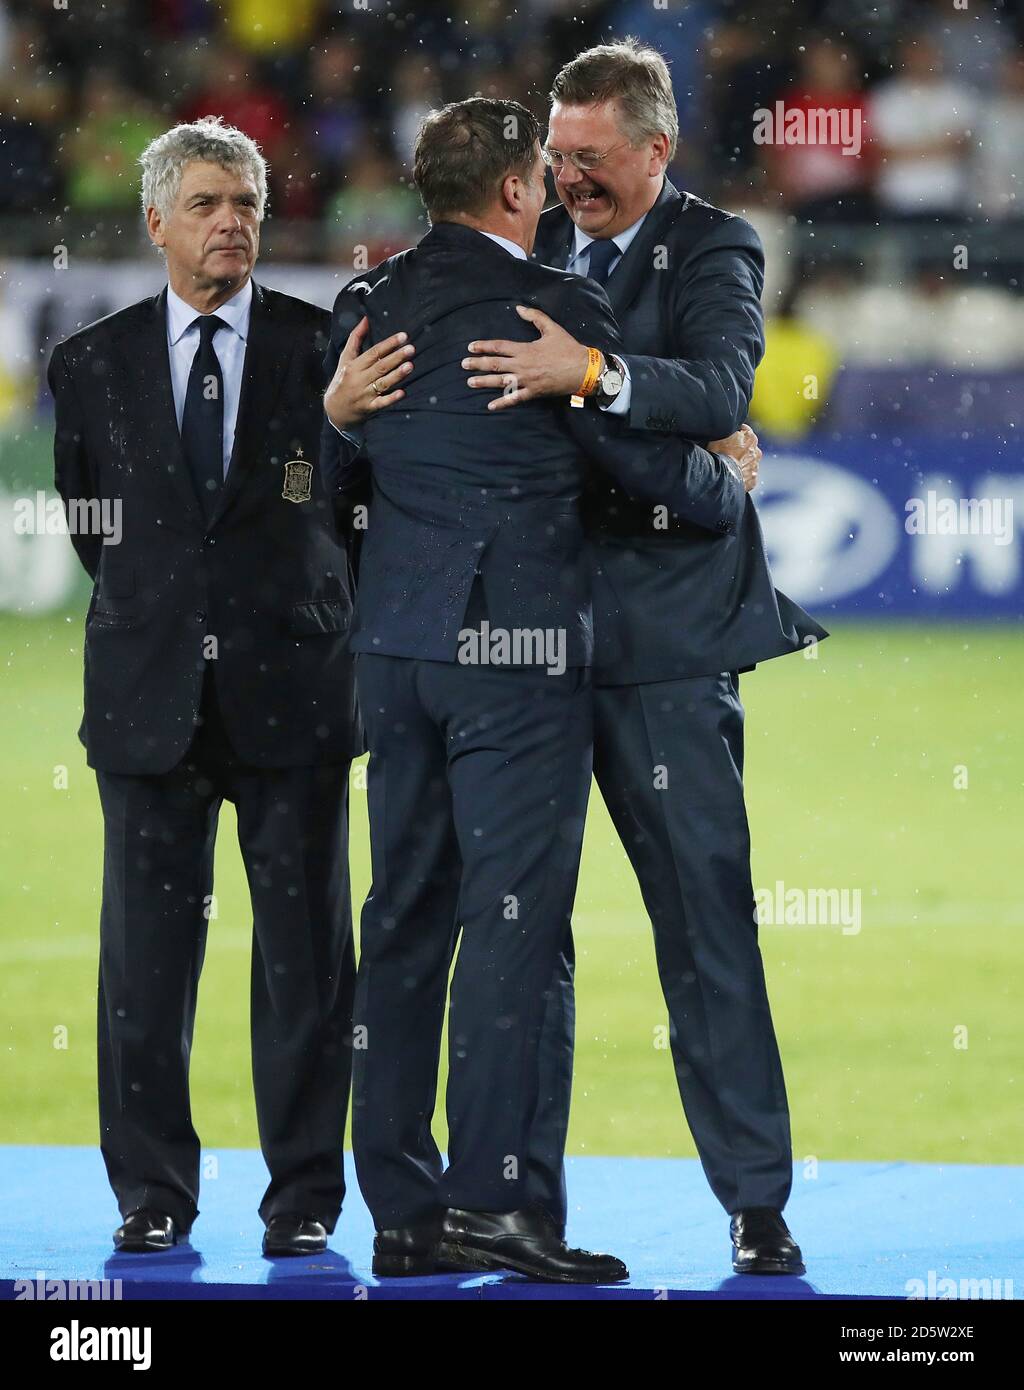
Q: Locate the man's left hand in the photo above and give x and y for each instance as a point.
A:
(743, 448)
(554, 365)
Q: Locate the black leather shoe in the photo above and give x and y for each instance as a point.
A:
(762, 1243)
(146, 1230)
(525, 1241)
(292, 1234)
(406, 1250)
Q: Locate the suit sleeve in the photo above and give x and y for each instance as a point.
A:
(74, 478)
(718, 329)
(683, 477)
(343, 465)
(692, 484)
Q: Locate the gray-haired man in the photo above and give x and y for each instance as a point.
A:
(216, 669)
(684, 280)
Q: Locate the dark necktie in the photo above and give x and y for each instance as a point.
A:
(202, 421)
(602, 253)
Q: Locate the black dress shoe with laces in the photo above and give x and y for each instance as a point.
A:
(526, 1242)
(144, 1231)
(406, 1251)
(762, 1243)
(293, 1234)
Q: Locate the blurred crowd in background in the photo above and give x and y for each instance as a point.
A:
(334, 90)
(334, 93)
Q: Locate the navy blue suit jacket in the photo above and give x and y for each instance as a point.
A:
(266, 576)
(677, 603)
(460, 492)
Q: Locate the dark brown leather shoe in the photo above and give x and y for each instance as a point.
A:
(526, 1242)
(144, 1231)
(762, 1243)
(293, 1234)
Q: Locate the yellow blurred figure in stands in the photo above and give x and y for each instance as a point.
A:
(12, 401)
(792, 383)
(263, 25)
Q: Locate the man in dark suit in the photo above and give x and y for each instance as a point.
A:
(684, 280)
(216, 669)
(480, 752)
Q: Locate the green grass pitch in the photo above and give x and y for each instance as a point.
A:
(901, 1040)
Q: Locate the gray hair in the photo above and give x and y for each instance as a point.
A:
(208, 140)
(633, 74)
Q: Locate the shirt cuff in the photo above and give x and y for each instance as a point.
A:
(620, 405)
(354, 439)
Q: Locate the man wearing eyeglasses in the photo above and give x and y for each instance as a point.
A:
(684, 280)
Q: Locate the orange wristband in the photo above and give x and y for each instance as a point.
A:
(587, 386)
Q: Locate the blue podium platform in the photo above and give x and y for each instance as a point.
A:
(867, 1230)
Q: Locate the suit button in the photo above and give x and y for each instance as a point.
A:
(200, 617)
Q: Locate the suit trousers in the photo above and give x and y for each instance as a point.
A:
(668, 758)
(477, 787)
(159, 834)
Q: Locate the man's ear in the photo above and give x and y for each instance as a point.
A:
(512, 192)
(155, 227)
(660, 146)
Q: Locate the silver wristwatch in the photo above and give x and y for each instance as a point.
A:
(611, 380)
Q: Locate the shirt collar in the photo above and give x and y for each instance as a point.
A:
(512, 247)
(622, 239)
(235, 312)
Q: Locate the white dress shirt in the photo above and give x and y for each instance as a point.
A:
(512, 247)
(228, 343)
(579, 261)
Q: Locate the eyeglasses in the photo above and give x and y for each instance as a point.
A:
(582, 160)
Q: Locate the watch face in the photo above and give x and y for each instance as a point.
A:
(611, 382)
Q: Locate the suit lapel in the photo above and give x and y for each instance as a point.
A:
(637, 265)
(263, 375)
(151, 406)
(556, 244)
(564, 245)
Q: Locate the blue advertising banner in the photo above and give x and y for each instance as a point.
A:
(923, 527)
